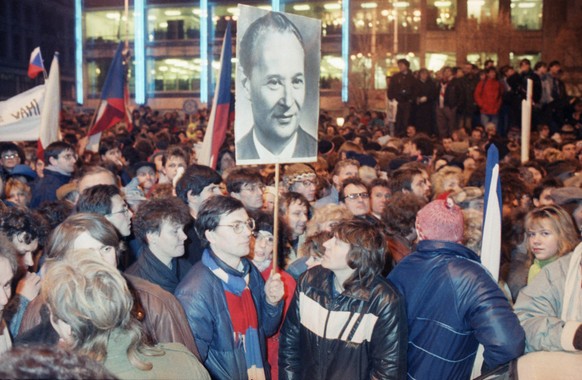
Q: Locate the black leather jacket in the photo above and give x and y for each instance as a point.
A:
(346, 336)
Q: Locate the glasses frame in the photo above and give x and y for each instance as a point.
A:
(355, 196)
(239, 226)
(125, 211)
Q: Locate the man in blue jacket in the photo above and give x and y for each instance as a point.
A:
(452, 302)
(230, 309)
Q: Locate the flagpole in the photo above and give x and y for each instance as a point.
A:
(126, 25)
(276, 222)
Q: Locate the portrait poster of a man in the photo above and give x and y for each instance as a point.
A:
(277, 87)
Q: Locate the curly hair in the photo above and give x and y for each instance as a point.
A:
(329, 213)
(154, 212)
(16, 220)
(400, 213)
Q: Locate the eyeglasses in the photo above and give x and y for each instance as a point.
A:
(357, 195)
(254, 187)
(124, 210)
(69, 156)
(8, 156)
(239, 227)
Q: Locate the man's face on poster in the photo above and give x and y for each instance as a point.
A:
(276, 86)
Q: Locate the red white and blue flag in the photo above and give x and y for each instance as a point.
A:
(491, 241)
(218, 121)
(35, 66)
(112, 107)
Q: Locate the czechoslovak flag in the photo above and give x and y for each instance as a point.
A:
(111, 110)
(35, 65)
(219, 115)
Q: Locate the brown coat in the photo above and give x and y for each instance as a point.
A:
(160, 313)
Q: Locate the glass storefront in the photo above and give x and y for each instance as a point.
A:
(107, 26)
(173, 75)
(173, 23)
(526, 14)
(329, 13)
(379, 17)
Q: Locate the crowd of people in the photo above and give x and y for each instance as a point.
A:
(137, 261)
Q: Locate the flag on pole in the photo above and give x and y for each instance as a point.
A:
(491, 241)
(219, 115)
(51, 110)
(491, 244)
(111, 110)
(35, 66)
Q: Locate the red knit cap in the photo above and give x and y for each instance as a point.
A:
(440, 220)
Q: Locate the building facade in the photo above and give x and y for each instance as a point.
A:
(176, 44)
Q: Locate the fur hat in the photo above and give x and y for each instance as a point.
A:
(298, 172)
(440, 220)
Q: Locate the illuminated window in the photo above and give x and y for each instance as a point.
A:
(107, 26)
(526, 14)
(436, 61)
(173, 75)
(97, 72)
(482, 10)
(173, 23)
(379, 17)
(388, 67)
(331, 71)
(479, 58)
(514, 59)
(330, 14)
(441, 14)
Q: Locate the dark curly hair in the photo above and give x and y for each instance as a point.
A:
(17, 220)
(400, 213)
(154, 212)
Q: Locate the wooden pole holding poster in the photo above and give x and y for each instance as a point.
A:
(279, 125)
(276, 222)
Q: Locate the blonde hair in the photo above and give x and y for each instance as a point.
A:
(324, 214)
(438, 178)
(94, 300)
(560, 222)
(13, 184)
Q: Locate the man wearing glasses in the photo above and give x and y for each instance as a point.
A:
(246, 185)
(229, 307)
(10, 155)
(60, 159)
(106, 200)
(355, 196)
